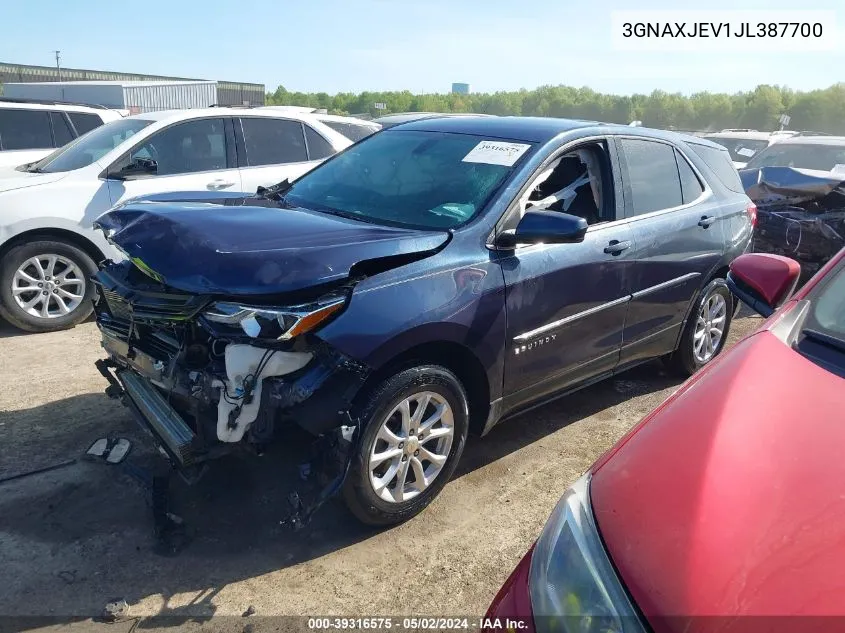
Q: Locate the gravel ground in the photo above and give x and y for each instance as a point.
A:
(75, 537)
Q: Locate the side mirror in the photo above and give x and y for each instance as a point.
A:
(762, 281)
(545, 227)
(137, 168)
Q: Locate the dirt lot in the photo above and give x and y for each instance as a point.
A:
(75, 537)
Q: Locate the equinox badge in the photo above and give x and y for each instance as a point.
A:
(521, 349)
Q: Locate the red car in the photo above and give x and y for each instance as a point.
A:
(727, 501)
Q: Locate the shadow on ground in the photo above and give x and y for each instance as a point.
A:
(85, 517)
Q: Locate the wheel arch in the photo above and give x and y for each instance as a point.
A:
(57, 234)
(452, 355)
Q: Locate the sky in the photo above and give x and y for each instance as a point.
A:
(422, 46)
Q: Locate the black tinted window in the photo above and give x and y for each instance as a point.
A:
(691, 186)
(184, 148)
(350, 130)
(719, 160)
(652, 175)
(25, 129)
(62, 133)
(273, 141)
(84, 122)
(318, 147)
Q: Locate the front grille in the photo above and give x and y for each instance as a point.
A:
(127, 300)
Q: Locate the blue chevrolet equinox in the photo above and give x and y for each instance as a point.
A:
(428, 282)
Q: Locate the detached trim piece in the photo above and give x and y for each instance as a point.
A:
(573, 317)
(664, 285)
(604, 306)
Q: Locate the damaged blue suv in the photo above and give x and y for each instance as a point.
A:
(426, 283)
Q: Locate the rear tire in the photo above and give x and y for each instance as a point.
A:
(395, 444)
(65, 296)
(706, 330)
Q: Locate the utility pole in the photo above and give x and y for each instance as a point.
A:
(59, 63)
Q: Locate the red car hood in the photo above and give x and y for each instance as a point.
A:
(730, 500)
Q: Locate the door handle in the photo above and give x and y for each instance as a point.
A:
(215, 185)
(706, 220)
(615, 247)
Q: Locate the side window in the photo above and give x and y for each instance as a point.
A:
(318, 147)
(273, 141)
(652, 175)
(576, 183)
(84, 122)
(25, 129)
(691, 187)
(184, 148)
(62, 133)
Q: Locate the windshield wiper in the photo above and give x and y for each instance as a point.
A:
(825, 339)
(274, 192)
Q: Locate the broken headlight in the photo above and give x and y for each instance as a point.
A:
(279, 324)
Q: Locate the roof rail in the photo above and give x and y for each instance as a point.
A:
(811, 133)
(738, 129)
(96, 106)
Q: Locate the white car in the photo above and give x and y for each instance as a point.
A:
(29, 130)
(743, 145)
(48, 249)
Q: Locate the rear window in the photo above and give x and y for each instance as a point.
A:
(741, 149)
(719, 161)
(84, 122)
(350, 130)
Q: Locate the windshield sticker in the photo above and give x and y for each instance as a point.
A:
(745, 152)
(496, 153)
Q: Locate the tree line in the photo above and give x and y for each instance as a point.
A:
(816, 110)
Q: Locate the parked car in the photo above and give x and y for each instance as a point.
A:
(389, 120)
(48, 249)
(743, 144)
(429, 281)
(800, 194)
(724, 505)
(29, 130)
(351, 127)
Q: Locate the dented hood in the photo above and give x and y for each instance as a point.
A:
(235, 245)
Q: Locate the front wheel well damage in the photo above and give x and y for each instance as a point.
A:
(56, 235)
(454, 357)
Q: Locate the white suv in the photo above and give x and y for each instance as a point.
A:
(48, 249)
(29, 130)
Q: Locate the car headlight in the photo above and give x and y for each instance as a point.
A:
(572, 583)
(279, 324)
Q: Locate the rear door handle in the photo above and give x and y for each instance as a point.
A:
(706, 220)
(215, 185)
(615, 247)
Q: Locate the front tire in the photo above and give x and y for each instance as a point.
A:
(414, 428)
(45, 286)
(706, 331)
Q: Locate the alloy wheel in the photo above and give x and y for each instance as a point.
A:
(709, 327)
(411, 447)
(48, 286)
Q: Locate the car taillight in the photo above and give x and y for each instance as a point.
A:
(511, 608)
(751, 210)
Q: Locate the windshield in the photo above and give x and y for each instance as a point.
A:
(352, 131)
(89, 147)
(827, 313)
(740, 149)
(801, 156)
(410, 178)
